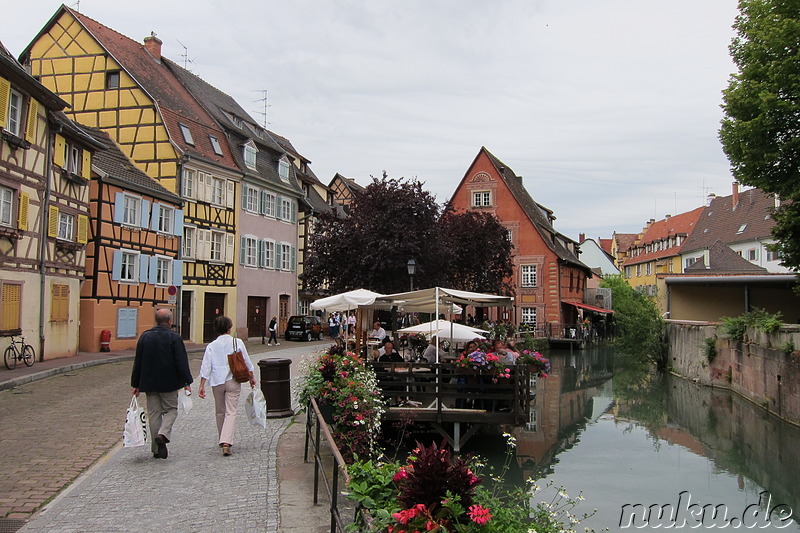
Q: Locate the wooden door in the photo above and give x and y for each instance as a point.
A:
(214, 307)
(186, 314)
(283, 312)
(256, 316)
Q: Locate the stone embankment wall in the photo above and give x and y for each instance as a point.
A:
(764, 368)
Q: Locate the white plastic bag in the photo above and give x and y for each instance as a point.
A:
(184, 402)
(255, 406)
(135, 432)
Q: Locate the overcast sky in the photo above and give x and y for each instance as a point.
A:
(609, 109)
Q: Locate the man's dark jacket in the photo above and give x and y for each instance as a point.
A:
(161, 363)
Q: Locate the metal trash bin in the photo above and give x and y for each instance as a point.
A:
(276, 386)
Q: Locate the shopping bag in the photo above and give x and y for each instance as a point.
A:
(184, 401)
(255, 406)
(135, 432)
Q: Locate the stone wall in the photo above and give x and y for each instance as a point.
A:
(760, 368)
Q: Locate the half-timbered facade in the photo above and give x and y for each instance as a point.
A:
(133, 250)
(548, 278)
(124, 88)
(45, 164)
(343, 190)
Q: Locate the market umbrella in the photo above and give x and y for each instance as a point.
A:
(448, 330)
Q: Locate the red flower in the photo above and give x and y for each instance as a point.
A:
(400, 475)
(479, 515)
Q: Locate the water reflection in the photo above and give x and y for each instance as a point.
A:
(641, 438)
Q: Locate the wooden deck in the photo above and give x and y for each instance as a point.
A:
(447, 397)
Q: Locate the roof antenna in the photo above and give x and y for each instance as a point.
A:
(185, 56)
(266, 105)
(77, 6)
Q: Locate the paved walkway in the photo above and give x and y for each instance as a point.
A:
(195, 489)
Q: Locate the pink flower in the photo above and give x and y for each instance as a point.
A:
(400, 475)
(479, 515)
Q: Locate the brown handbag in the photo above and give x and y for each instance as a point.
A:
(237, 365)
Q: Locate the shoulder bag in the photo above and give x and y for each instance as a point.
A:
(237, 365)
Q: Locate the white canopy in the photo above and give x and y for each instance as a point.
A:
(446, 330)
(346, 300)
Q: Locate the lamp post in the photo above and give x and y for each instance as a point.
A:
(412, 269)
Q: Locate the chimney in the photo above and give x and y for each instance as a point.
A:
(710, 198)
(153, 45)
(667, 216)
(777, 201)
(581, 237)
(735, 194)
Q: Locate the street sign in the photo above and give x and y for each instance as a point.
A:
(172, 299)
(172, 291)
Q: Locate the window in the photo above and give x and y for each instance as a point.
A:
(189, 234)
(638, 270)
(59, 303)
(249, 251)
(188, 183)
(130, 210)
(286, 256)
(72, 156)
(752, 254)
(215, 145)
(217, 246)
(112, 79)
(6, 206)
(283, 169)
(628, 271)
(165, 220)
(649, 269)
(529, 315)
(269, 253)
(286, 210)
(268, 204)
(187, 134)
(481, 198)
(66, 224)
(250, 155)
(14, 118)
(529, 275)
(10, 306)
(251, 198)
(689, 262)
(217, 191)
(129, 266)
(163, 271)
(741, 229)
(126, 322)
(774, 255)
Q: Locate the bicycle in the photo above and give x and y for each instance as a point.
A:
(24, 353)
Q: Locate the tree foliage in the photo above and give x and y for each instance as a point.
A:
(394, 220)
(761, 129)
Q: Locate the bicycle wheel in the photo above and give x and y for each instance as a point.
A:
(28, 354)
(10, 357)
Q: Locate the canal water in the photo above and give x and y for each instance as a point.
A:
(654, 442)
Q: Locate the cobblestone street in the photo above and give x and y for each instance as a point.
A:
(56, 428)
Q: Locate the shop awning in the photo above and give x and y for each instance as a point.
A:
(592, 308)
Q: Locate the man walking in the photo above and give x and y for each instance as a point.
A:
(160, 370)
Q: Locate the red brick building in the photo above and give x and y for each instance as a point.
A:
(549, 280)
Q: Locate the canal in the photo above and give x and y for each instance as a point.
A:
(628, 438)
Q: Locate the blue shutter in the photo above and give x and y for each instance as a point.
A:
(145, 213)
(156, 215)
(278, 207)
(242, 249)
(153, 270)
(144, 263)
(244, 196)
(178, 231)
(119, 206)
(126, 322)
(278, 250)
(116, 269)
(294, 211)
(262, 254)
(263, 203)
(177, 272)
(293, 262)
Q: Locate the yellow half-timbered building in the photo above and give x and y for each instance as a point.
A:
(123, 88)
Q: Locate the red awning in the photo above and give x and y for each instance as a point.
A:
(591, 308)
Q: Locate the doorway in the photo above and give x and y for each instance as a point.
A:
(186, 314)
(283, 312)
(214, 307)
(256, 316)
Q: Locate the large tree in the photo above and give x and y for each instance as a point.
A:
(761, 129)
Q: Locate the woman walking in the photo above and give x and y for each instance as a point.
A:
(273, 332)
(215, 370)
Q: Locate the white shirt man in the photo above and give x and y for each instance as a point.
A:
(377, 332)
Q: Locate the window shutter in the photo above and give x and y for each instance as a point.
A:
(262, 254)
(294, 211)
(209, 189)
(202, 244)
(279, 207)
(293, 260)
(33, 121)
(200, 190)
(263, 204)
(86, 165)
(244, 195)
(177, 272)
(119, 207)
(178, 231)
(116, 268)
(5, 94)
(278, 250)
(145, 218)
(154, 217)
(52, 221)
(144, 268)
(230, 240)
(59, 151)
(83, 229)
(242, 249)
(230, 197)
(22, 216)
(153, 270)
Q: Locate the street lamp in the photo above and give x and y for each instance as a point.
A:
(412, 269)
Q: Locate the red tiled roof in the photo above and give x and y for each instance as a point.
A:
(174, 101)
(625, 241)
(605, 244)
(682, 224)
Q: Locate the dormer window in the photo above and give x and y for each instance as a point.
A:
(283, 169)
(215, 145)
(741, 229)
(250, 155)
(14, 119)
(187, 134)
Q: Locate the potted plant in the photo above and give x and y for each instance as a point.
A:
(535, 361)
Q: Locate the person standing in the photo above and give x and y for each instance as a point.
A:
(273, 332)
(215, 370)
(160, 370)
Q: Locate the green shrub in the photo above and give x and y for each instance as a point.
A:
(735, 327)
(710, 348)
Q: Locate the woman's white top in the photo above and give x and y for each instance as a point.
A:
(215, 360)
